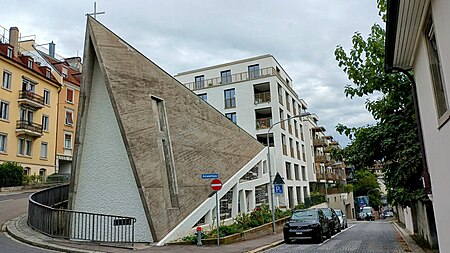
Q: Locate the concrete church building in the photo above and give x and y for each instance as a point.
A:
(143, 140)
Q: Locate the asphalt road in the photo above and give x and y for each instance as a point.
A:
(11, 206)
(364, 236)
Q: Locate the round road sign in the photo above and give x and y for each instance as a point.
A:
(216, 184)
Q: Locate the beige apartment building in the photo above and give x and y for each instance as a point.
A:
(28, 108)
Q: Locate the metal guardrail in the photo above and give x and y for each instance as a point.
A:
(46, 216)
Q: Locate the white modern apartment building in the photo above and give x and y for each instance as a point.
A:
(255, 93)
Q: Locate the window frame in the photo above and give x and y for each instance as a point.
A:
(9, 80)
(66, 146)
(71, 117)
(3, 143)
(199, 82)
(203, 96)
(46, 96)
(43, 143)
(253, 71)
(4, 104)
(72, 99)
(229, 98)
(45, 123)
(225, 76)
(232, 116)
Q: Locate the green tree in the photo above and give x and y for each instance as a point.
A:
(11, 174)
(367, 184)
(393, 139)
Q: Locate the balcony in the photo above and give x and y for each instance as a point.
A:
(262, 97)
(320, 158)
(319, 142)
(239, 77)
(24, 127)
(30, 98)
(263, 123)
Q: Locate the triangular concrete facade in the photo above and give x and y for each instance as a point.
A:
(143, 140)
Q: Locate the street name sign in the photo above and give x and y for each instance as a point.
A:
(210, 176)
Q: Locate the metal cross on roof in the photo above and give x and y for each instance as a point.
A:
(95, 13)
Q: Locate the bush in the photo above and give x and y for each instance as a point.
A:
(11, 174)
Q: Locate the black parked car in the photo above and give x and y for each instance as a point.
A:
(306, 223)
(333, 220)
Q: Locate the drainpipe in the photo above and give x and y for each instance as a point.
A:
(425, 173)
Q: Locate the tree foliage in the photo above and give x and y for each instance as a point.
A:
(367, 184)
(393, 139)
(11, 174)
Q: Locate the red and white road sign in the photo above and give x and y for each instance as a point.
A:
(216, 184)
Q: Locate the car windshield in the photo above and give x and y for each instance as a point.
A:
(367, 210)
(307, 215)
(338, 212)
(327, 212)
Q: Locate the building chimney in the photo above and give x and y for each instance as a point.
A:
(51, 49)
(14, 39)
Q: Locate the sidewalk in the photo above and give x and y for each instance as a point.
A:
(19, 229)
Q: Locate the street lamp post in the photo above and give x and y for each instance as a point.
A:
(272, 206)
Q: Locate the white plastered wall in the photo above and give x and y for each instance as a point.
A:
(106, 183)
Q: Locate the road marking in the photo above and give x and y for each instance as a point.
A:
(342, 231)
(6, 200)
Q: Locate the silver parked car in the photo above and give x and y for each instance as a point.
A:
(342, 218)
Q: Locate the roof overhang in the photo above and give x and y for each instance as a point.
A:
(404, 21)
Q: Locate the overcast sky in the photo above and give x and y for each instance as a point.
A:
(183, 35)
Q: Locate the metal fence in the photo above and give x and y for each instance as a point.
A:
(45, 214)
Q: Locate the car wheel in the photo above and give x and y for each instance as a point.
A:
(328, 235)
(319, 238)
(339, 228)
(287, 240)
(346, 225)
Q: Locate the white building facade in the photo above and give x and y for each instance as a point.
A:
(255, 93)
(418, 39)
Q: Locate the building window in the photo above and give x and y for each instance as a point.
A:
(9, 52)
(436, 69)
(230, 99)
(68, 140)
(298, 190)
(297, 145)
(291, 146)
(280, 94)
(6, 80)
(203, 96)
(304, 173)
(282, 119)
(303, 153)
(44, 146)
(3, 141)
(30, 63)
(28, 85)
(4, 110)
(64, 71)
(301, 133)
(199, 82)
(24, 147)
(253, 71)
(46, 97)
(69, 117)
(26, 114)
(47, 73)
(289, 123)
(288, 171)
(231, 116)
(288, 104)
(295, 129)
(45, 122)
(296, 172)
(294, 107)
(225, 76)
(69, 95)
(283, 144)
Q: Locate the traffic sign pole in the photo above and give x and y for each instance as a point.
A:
(216, 185)
(217, 217)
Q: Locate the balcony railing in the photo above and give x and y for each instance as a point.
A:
(31, 98)
(319, 142)
(262, 97)
(263, 123)
(239, 77)
(29, 128)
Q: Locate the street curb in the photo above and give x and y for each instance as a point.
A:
(11, 229)
(412, 245)
(266, 247)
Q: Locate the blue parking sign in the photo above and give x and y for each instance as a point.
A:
(278, 189)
